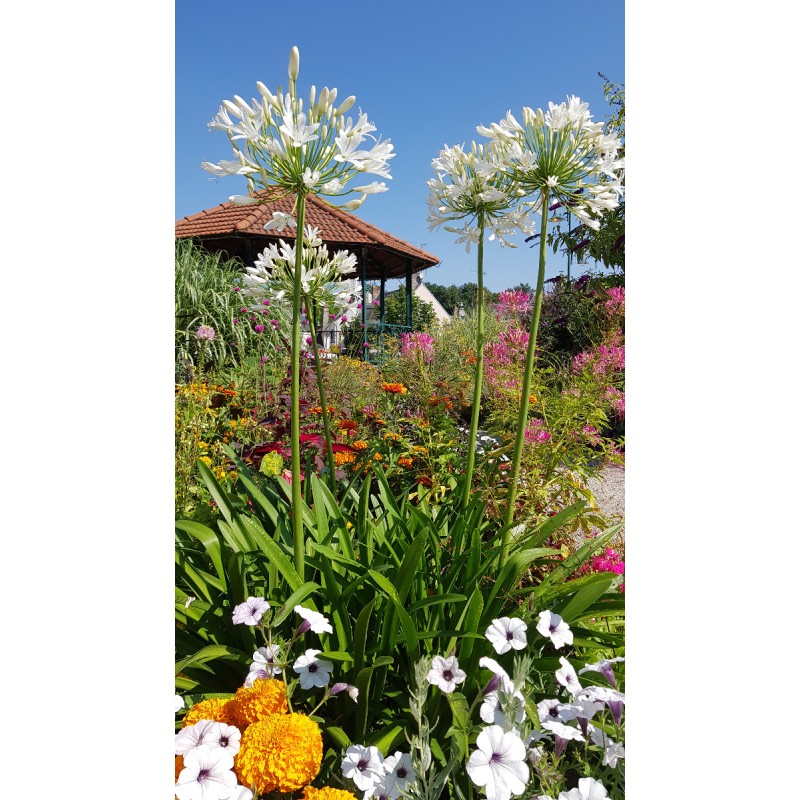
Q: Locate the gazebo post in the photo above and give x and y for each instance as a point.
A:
(408, 293)
(364, 351)
(383, 294)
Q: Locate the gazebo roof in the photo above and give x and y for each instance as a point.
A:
(239, 231)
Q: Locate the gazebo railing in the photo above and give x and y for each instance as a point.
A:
(377, 334)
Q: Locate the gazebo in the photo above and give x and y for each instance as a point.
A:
(238, 230)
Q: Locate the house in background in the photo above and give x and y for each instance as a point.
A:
(419, 290)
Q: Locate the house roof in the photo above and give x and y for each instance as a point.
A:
(239, 231)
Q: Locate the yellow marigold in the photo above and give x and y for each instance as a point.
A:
(418, 448)
(206, 460)
(218, 709)
(360, 445)
(343, 458)
(257, 702)
(326, 793)
(280, 753)
(203, 445)
(391, 437)
(394, 388)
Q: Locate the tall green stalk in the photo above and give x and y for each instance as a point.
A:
(322, 399)
(530, 358)
(478, 388)
(297, 496)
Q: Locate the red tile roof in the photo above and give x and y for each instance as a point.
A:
(227, 222)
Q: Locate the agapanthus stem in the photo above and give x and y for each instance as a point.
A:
(322, 401)
(297, 497)
(530, 357)
(478, 387)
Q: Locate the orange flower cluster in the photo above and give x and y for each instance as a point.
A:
(263, 699)
(438, 400)
(347, 424)
(343, 458)
(391, 437)
(360, 444)
(326, 793)
(217, 709)
(281, 753)
(394, 388)
(406, 462)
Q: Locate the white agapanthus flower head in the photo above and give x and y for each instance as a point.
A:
(562, 153)
(472, 187)
(554, 628)
(277, 142)
(322, 278)
(499, 763)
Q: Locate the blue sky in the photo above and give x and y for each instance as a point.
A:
(425, 73)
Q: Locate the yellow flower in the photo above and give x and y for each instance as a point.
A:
(326, 793)
(203, 445)
(263, 699)
(378, 457)
(178, 767)
(280, 753)
(218, 709)
(206, 460)
(343, 457)
(391, 437)
(360, 445)
(418, 448)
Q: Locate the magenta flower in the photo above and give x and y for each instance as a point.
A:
(417, 344)
(536, 433)
(512, 302)
(259, 329)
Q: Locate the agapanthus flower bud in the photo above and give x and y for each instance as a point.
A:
(294, 64)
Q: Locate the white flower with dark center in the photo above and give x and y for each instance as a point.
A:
(553, 627)
(250, 612)
(313, 621)
(549, 710)
(567, 677)
(587, 789)
(499, 763)
(490, 710)
(363, 766)
(399, 774)
(506, 634)
(445, 673)
(266, 658)
(312, 670)
(256, 674)
(611, 697)
(193, 736)
(207, 774)
(225, 736)
(563, 733)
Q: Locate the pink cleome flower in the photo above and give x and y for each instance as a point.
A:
(417, 343)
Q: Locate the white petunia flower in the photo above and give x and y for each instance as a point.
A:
(567, 677)
(228, 737)
(312, 670)
(604, 668)
(266, 658)
(445, 673)
(363, 766)
(490, 711)
(193, 736)
(499, 763)
(179, 703)
(313, 621)
(553, 626)
(506, 634)
(399, 773)
(250, 612)
(612, 750)
(207, 775)
(587, 789)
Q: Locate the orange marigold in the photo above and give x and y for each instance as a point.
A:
(347, 424)
(343, 457)
(178, 767)
(360, 445)
(280, 753)
(263, 699)
(326, 793)
(218, 709)
(394, 388)
(405, 462)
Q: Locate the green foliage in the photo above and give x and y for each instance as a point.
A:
(464, 296)
(422, 313)
(397, 579)
(204, 296)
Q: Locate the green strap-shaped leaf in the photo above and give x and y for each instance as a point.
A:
(586, 596)
(211, 653)
(295, 599)
(273, 552)
(209, 540)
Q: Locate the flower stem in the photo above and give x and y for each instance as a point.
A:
(478, 388)
(297, 497)
(530, 357)
(322, 400)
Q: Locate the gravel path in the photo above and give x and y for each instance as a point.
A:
(609, 490)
